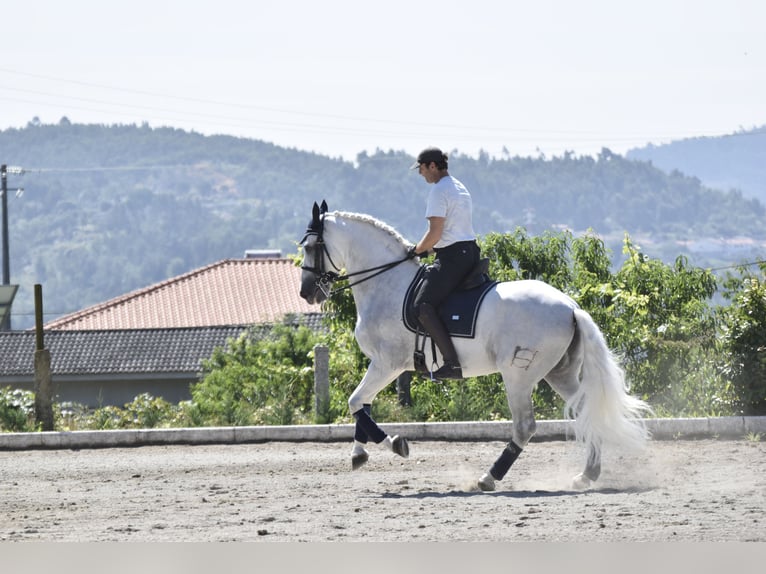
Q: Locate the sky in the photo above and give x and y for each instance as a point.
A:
(341, 77)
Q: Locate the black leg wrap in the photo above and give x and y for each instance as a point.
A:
(503, 464)
(370, 428)
(359, 433)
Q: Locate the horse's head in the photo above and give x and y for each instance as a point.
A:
(360, 241)
(316, 281)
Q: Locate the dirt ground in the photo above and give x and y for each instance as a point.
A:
(704, 490)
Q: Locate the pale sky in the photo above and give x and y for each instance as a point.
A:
(340, 76)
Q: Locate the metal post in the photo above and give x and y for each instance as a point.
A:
(403, 386)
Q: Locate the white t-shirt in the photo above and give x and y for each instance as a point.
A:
(450, 199)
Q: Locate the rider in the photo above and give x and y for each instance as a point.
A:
(450, 234)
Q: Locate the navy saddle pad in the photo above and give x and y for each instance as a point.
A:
(459, 310)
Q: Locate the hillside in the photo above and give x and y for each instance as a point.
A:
(110, 209)
(736, 161)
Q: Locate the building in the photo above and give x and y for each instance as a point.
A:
(154, 339)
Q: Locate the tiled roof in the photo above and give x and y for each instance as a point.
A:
(132, 351)
(112, 352)
(230, 292)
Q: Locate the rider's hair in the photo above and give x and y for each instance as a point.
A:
(433, 154)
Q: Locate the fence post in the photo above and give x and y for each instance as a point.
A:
(403, 386)
(43, 383)
(322, 383)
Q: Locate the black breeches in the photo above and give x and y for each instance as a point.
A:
(450, 267)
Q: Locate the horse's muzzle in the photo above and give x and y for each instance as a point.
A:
(310, 289)
(314, 296)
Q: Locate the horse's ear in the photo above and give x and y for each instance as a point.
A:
(323, 209)
(315, 213)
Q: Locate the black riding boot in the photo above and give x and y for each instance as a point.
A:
(431, 322)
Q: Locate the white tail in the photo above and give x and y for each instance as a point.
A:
(603, 409)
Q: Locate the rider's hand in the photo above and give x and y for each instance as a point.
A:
(412, 254)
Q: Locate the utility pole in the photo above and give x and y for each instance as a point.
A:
(7, 291)
(6, 250)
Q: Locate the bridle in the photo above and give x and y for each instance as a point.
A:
(325, 278)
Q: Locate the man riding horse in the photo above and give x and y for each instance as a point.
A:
(450, 235)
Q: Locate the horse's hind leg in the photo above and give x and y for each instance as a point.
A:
(565, 381)
(519, 386)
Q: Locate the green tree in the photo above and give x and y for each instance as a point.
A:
(744, 340)
(659, 320)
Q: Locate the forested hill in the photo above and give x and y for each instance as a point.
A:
(110, 209)
(736, 161)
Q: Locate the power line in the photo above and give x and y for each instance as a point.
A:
(112, 168)
(500, 133)
(737, 266)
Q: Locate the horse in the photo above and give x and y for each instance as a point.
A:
(526, 330)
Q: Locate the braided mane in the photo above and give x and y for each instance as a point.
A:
(363, 218)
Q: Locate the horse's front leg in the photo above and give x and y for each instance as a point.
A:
(375, 380)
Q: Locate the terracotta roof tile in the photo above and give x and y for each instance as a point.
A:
(230, 292)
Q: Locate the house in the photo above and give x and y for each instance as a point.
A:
(154, 339)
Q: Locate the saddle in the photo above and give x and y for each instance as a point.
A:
(458, 312)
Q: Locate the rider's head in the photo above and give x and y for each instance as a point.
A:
(431, 155)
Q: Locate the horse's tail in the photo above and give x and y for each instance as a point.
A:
(602, 407)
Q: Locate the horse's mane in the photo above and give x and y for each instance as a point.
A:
(369, 219)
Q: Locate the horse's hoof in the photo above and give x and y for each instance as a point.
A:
(581, 482)
(358, 460)
(487, 483)
(399, 446)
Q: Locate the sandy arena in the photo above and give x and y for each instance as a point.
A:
(685, 490)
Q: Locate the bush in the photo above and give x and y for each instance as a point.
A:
(260, 378)
(106, 418)
(17, 410)
(744, 341)
(146, 412)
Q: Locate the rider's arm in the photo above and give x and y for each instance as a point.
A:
(432, 235)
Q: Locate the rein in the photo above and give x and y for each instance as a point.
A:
(378, 270)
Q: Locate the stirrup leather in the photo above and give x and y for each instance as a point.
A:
(419, 356)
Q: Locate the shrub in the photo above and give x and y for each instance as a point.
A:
(17, 410)
(146, 411)
(744, 341)
(263, 377)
